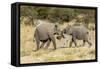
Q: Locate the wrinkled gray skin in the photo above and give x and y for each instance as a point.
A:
(77, 32)
(45, 33)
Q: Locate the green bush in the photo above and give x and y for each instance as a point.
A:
(55, 14)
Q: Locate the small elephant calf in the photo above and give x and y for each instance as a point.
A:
(77, 32)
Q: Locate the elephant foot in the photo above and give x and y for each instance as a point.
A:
(80, 45)
(74, 46)
(54, 49)
(70, 46)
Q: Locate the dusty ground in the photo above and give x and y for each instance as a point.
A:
(62, 53)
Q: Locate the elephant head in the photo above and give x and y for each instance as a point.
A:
(66, 30)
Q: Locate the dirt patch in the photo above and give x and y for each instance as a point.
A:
(62, 53)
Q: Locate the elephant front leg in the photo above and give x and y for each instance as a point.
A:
(52, 38)
(54, 41)
(84, 42)
(70, 44)
(74, 40)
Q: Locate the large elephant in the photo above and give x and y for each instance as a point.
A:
(45, 33)
(77, 32)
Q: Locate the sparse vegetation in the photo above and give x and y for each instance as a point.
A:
(59, 15)
(62, 53)
(63, 16)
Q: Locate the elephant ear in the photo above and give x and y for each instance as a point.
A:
(67, 29)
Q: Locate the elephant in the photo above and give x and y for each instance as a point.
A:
(77, 32)
(44, 33)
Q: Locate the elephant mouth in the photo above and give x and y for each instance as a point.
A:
(56, 34)
(58, 37)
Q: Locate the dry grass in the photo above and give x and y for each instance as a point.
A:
(62, 53)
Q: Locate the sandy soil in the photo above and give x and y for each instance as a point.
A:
(62, 53)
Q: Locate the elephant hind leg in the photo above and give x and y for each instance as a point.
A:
(37, 39)
(38, 43)
(48, 43)
(42, 45)
(72, 41)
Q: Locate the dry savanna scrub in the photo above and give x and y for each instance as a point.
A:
(62, 53)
